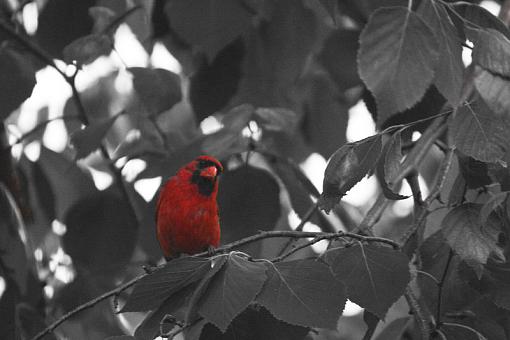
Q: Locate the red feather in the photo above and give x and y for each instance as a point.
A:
(187, 213)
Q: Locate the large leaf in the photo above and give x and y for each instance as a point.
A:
(348, 166)
(491, 50)
(479, 133)
(18, 80)
(375, 276)
(152, 290)
(158, 89)
(231, 290)
(90, 138)
(495, 91)
(472, 241)
(101, 226)
(248, 201)
(69, 182)
(449, 72)
(397, 59)
(303, 293)
(254, 323)
(210, 24)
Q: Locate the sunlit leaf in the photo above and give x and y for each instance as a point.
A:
(348, 166)
(397, 59)
(231, 290)
(304, 293)
(375, 276)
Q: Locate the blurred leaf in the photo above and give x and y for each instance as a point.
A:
(331, 7)
(276, 53)
(69, 182)
(210, 24)
(249, 201)
(120, 337)
(303, 293)
(492, 204)
(338, 57)
(472, 241)
(348, 166)
(491, 50)
(231, 290)
(375, 276)
(153, 289)
(87, 49)
(29, 322)
(389, 166)
(394, 330)
(213, 84)
(479, 133)
(90, 138)
(410, 39)
(371, 320)
(44, 193)
(19, 80)
(276, 119)
(101, 226)
(13, 260)
(495, 92)
(449, 73)
(55, 30)
(254, 323)
(224, 143)
(158, 89)
(325, 117)
(102, 17)
(136, 144)
(479, 17)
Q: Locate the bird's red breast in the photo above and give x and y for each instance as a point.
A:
(187, 213)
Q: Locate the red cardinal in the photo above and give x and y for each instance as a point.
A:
(187, 213)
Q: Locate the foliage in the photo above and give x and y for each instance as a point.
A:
(279, 78)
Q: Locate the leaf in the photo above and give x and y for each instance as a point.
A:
(472, 241)
(331, 7)
(375, 276)
(248, 201)
(478, 16)
(479, 133)
(338, 56)
(102, 16)
(213, 84)
(90, 138)
(492, 204)
(254, 323)
(495, 283)
(394, 330)
(449, 72)
(303, 293)
(495, 91)
(210, 24)
(397, 58)
(348, 166)
(87, 49)
(100, 226)
(29, 322)
(389, 166)
(18, 81)
(153, 289)
(69, 182)
(231, 290)
(12, 249)
(276, 119)
(491, 50)
(371, 321)
(158, 89)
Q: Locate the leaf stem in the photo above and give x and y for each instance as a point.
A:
(440, 285)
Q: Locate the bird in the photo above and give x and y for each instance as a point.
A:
(187, 219)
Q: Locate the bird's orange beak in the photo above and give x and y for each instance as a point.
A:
(209, 172)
